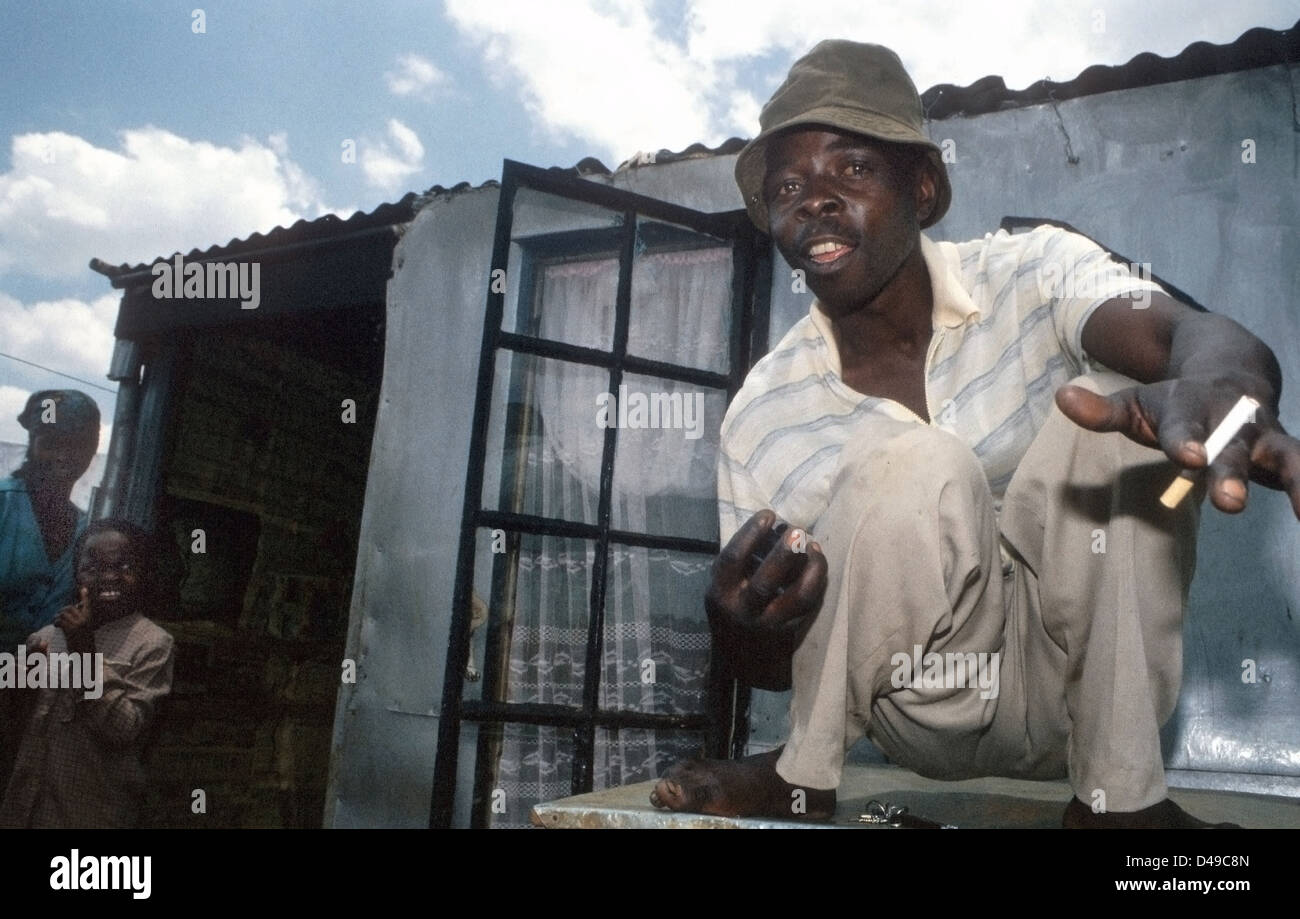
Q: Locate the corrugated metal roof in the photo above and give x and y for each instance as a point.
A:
(1252, 49)
(328, 227)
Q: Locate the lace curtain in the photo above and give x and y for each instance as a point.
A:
(656, 639)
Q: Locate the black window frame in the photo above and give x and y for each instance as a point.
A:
(725, 722)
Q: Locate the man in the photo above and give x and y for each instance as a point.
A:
(38, 525)
(946, 489)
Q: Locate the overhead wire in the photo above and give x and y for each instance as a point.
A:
(59, 372)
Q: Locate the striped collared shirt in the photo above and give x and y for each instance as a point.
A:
(1008, 317)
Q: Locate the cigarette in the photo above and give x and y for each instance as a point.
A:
(1242, 413)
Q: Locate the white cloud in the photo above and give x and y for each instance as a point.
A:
(960, 41)
(597, 72)
(743, 108)
(387, 167)
(12, 401)
(70, 335)
(603, 72)
(415, 76)
(65, 200)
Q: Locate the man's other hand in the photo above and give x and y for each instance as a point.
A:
(759, 616)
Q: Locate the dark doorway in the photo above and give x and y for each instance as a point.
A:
(266, 446)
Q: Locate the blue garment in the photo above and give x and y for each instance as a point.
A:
(32, 591)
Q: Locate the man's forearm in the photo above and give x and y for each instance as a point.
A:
(1169, 340)
(1193, 368)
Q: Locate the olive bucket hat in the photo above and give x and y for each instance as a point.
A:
(849, 86)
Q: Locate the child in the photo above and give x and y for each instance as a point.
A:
(80, 760)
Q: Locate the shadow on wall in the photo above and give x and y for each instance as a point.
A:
(1241, 652)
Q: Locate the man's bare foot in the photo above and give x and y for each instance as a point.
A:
(748, 787)
(1163, 816)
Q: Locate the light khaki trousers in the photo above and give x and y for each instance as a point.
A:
(1083, 607)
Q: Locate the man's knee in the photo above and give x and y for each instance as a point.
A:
(917, 493)
(901, 461)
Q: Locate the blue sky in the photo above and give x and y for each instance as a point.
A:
(126, 134)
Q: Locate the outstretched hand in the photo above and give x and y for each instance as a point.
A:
(1176, 416)
(758, 617)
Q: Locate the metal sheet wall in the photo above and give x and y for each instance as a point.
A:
(381, 770)
(1163, 177)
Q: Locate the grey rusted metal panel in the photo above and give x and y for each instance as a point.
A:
(385, 725)
(1160, 178)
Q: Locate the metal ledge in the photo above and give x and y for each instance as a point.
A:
(990, 803)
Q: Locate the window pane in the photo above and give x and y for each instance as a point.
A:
(544, 443)
(536, 765)
(491, 553)
(630, 755)
(563, 274)
(465, 761)
(681, 298)
(665, 467)
(656, 635)
(535, 647)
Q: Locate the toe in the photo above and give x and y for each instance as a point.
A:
(667, 794)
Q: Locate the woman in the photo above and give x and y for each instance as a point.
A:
(38, 523)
